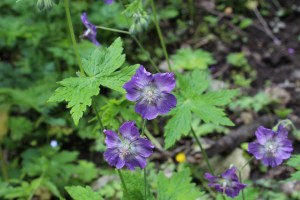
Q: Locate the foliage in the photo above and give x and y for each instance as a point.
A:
(294, 162)
(81, 193)
(177, 187)
(187, 58)
(197, 99)
(256, 102)
(100, 69)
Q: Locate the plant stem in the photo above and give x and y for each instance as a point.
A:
(113, 30)
(240, 177)
(3, 165)
(122, 180)
(146, 52)
(135, 39)
(161, 38)
(266, 27)
(203, 152)
(97, 114)
(191, 9)
(240, 174)
(71, 29)
(145, 171)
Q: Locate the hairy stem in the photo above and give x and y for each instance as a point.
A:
(71, 29)
(203, 152)
(161, 38)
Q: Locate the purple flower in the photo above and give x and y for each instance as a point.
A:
(91, 31)
(151, 92)
(127, 148)
(109, 1)
(227, 183)
(271, 147)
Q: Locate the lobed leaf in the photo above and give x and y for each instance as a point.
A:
(177, 187)
(81, 193)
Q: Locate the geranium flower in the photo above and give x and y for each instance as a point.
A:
(91, 31)
(227, 182)
(127, 148)
(271, 147)
(151, 92)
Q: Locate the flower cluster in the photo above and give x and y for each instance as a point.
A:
(271, 147)
(151, 92)
(91, 31)
(227, 182)
(128, 148)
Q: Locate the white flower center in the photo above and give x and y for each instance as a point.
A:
(150, 94)
(87, 32)
(124, 150)
(271, 147)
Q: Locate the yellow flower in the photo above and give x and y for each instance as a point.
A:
(180, 157)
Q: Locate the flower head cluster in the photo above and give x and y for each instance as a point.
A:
(227, 183)
(271, 147)
(128, 148)
(91, 31)
(151, 92)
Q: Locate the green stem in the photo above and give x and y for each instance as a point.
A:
(113, 30)
(97, 114)
(135, 39)
(146, 52)
(191, 9)
(71, 29)
(240, 174)
(3, 165)
(240, 177)
(145, 171)
(122, 180)
(161, 38)
(203, 152)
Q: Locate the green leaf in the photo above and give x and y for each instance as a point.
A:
(20, 126)
(116, 80)
(194, 83)
(135, 186)
(192, 59)
(100, 69)
(294, 176)
(81, 193)
(219, 98)
(78, 92)
(177, 187)
(237, 59)
(209, 113)
(294, 161)
(195, 98)
(178, 125)
(103, 61)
